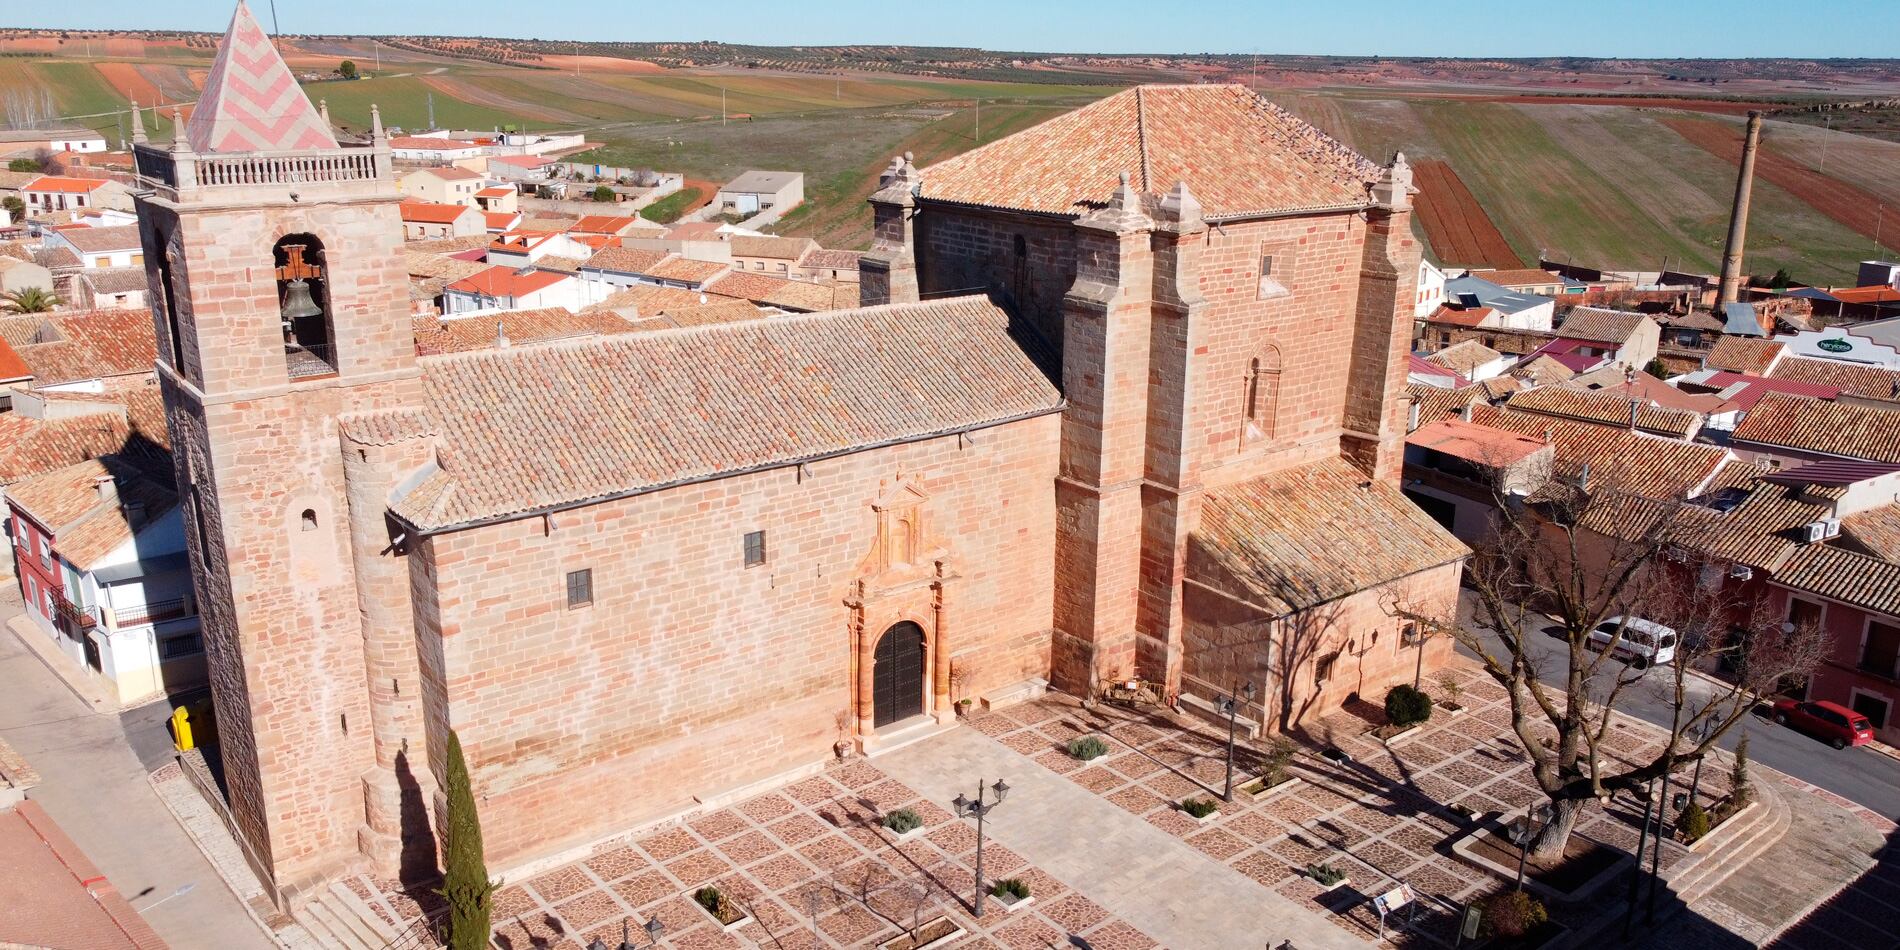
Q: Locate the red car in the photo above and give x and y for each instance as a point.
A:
(1837, 724)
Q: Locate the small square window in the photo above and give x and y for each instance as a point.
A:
(1270, 286)
(580, 588)
(754, 548)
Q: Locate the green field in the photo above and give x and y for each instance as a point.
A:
(1602, 184)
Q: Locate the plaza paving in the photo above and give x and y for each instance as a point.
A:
(1111, 859)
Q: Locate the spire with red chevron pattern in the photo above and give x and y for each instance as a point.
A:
(251, 102)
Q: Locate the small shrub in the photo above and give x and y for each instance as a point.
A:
(1512, 914)
(1693, 823)
(1406, 706)
(605, 193)
(903, 820)
(1088, 747)
(1740, 792)
(1325, 874)
(1011, 887)
(1274, 761)
(1199, 807)
(1449, 684)
(710, 898)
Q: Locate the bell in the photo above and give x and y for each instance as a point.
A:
(297, 301)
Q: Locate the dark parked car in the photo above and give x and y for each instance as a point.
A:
(1833, 722)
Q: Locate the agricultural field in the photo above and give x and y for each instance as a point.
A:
(1508, 171)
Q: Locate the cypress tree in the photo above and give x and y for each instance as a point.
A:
(465, 884)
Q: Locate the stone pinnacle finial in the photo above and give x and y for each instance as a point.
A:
(138, 124)
(375, 122)
(179, 142)
(1393, 190)
(1180, 208)
(323, 111)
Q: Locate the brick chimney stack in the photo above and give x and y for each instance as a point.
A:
(1731, 287)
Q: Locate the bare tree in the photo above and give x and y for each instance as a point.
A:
(1585, 553)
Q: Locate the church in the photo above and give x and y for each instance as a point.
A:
(1124, 399)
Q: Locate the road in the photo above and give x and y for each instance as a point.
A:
(1860, 775)
(94, 784)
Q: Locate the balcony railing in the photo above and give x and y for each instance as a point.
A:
(188, 170)
(71, 619)
(305, 361)
(155, 612)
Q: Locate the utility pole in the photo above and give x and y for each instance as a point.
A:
(979, 121)
(722, 106)
(274, 28)
(431, 97)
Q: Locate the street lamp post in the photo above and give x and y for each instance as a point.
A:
(1230, 705)
(1522, 829)
(979, 809)
(654, 928)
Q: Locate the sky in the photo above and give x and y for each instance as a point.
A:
(1465, 28)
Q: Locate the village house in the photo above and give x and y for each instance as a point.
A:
(757, 191)
(109, 288)
(1502, 308)
(1784, 428)
(832, 265)
(33, 142)
(1471, 360)
(99, 247)
(52, 193)
(1139, 451)
(1528, 280)
(422, 220)
(1592, 337)
(434, 149)
(501, 199)
(447, 185)
(505, 287)
(18, 274)
(1431, 289)
(772, 256)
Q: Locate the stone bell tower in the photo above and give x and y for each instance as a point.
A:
(274, 259)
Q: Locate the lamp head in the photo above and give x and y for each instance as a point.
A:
(1001, 788)
(961, 804)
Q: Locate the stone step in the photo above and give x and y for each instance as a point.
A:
(346, 900)
(332, 932)
(1765, 827)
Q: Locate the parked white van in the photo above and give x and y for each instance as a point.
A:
(1644, 642)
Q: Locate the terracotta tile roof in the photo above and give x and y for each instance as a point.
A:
(500, 220)
(30, 447)
(1469, 317)
(1823, 427)
(436, 335)
(1498, 387)
(543, 427)
(1742, 354)
(1238, 153)
(1743, 392)
(1636, 462)
(86, 526)
(551, 223)
(560, 262)
(1598, 325)
(1837, 573)
(115, 280)
(123, 237)
(92, 344)
(12, 367)
(720, 311)
(57, 258)
(250, 102)
(450, 173)
(22, 329)
(1542, 371)
(1855, 379)
(604, 224)
(62, 184)
(1435, 403)
(688, 271)
(522, 161)
(625, 260)
(429, 212)
(1527, 275)
(1650, 389)
(495, 191)
(1464, 357)
(1475, 443)
(449, 245)
(1276, 541)
(694, 231)
(1606, 408)
(831, 259)
(782, 248)
(1878, 293)
(501, 280)
(1876, 531)
(1416, 366)
(441, 266)
(647, 300)
(801, 295)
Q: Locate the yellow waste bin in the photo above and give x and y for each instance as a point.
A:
(181, 729)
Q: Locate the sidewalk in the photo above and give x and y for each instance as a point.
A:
(96, 789)
(1173, 892)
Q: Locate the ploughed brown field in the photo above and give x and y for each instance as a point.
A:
(1456, 225)
(1854, 207)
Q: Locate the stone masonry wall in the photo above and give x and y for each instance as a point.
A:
(1227, 643)
(690, 673)
(963, 250)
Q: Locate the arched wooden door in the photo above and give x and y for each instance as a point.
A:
(897, 681)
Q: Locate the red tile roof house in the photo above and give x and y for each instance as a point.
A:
(422, 220)
(518, 288)
(101, 552)
(575, 553)
(50, 193)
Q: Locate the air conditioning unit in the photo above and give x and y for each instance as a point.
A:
(1833, 529)
(1741, 572)
(1814, 531)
